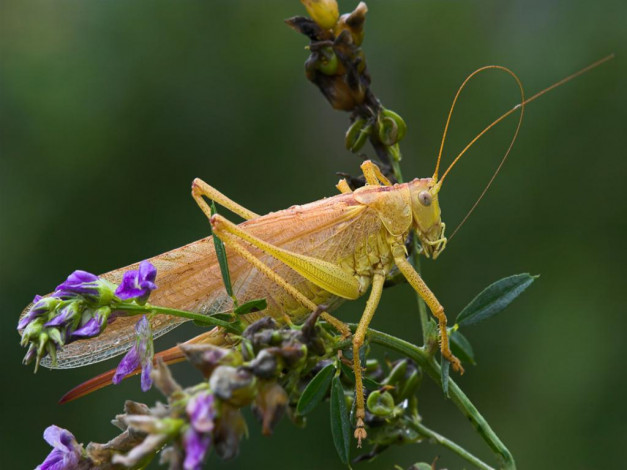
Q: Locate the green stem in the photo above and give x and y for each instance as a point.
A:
(422, 307)
(204, 319)
(397, 170)
(429, 365)
(444, 442)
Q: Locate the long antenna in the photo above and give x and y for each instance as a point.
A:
(470, 144)
(521, 105)
(450, 113)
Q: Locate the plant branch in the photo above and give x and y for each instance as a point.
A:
(204, 319)
(445, 442)
(463, 403)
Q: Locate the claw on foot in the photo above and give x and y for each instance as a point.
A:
(360, 432)
(457, 365)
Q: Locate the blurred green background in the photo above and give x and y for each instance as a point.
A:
(110, 109)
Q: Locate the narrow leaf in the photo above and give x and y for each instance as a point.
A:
(221, 254)
(255, 305)
(316, 390)
(445, 366)
(494, 298)
(340, 425)
(461, 348)
(421, 466)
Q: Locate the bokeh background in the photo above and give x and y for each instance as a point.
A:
(110, 109)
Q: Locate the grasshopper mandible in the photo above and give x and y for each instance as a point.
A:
(298, 259)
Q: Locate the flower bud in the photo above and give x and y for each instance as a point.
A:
(353, 23)
(230, 427)
(323, 12)
(206, 357)
(380, 404)
(265, 365)
(391, 127)
(152, 425)
(357, 135)
(270, 405)
(235, 386)
(327, 62)
(397, 373)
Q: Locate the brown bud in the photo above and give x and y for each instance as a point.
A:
(353, 23)
(230, 427)
(270, 405)
(233, 385)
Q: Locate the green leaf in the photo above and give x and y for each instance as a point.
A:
(221, 254)
(421, 466)
(224, 316)
(350, 375)
(461, 348)
(340, 425)
(445, 366)
(494, 298)
(254, 305)
(316, 390)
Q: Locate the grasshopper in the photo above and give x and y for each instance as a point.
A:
(298, 259)
(321, 253)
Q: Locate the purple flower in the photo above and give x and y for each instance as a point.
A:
(92, 324)
(140, 354)
(41, 306)
(79, 282)
(88, 330)
(66, 452)
(138, 284)
(66, 315)
(201, 411)
(196, 446)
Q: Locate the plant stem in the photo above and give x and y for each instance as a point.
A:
(444, 442)
(428, 363)
(205, 319)
(422, 307)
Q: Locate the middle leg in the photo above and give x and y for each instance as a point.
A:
(358, 341)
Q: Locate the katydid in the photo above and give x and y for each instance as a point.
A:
(321, 253)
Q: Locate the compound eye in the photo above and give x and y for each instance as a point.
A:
(425, 198)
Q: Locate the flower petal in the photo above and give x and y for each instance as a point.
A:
(128, 364)
(88, 330)
(201, 411)
(79, 282)
(146, 379)
(147, 273)
(196, 447)
(138, 284)
(66, 452)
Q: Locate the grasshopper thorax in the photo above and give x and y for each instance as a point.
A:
(426, 216)
(409, 205)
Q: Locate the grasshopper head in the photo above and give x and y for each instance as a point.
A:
(426, 216)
